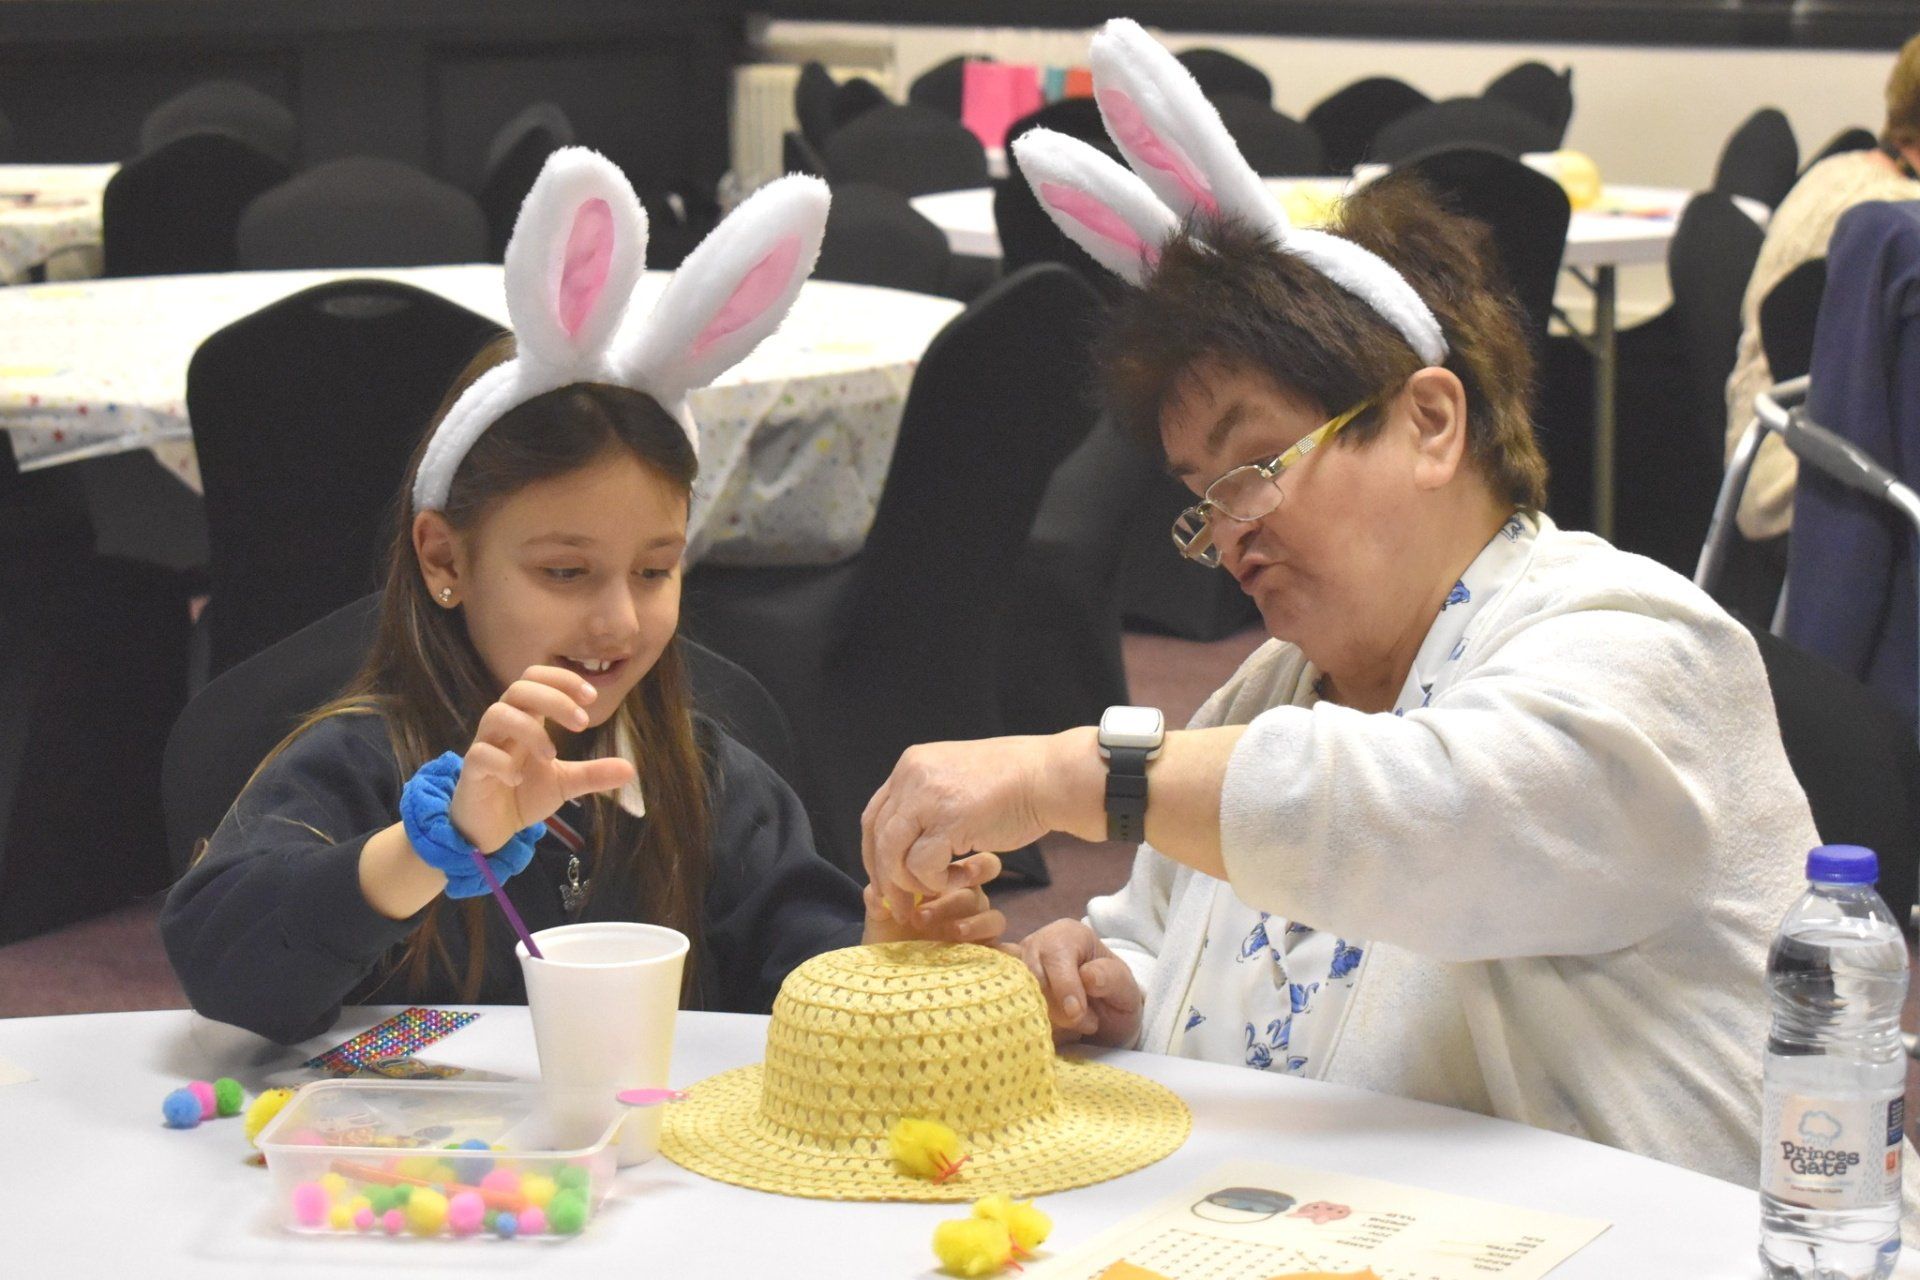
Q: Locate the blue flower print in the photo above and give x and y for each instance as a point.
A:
(1345, 959)
(1294, 926)
(1258, 1055)
(1296, 1065)
(1426, 693)
(1301, 995)
(1256, 940)
(1512, 529)
(1280, 1033)
(1459, 595)
(1194, 1018)
(1459, 647)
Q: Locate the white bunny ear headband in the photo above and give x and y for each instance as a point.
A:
(1186, 164)
(577, 251)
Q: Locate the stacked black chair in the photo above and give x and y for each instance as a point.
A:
(797, 155)
(813, 104)
(875, 236)
(914, 150)
(1760, 160)
(1538, 90)
(302, 468)
(231, 725)
(225, 106)
(1526, 212)
(1854, 139)
(855, 98)
(8, 139)
(1274, 144)
(1220, 73)
(1027, 234)
(942, 86)
(514, 159)
(1350, 119)
(897, 646)
(1479, 122)
(362, 211)
(176, 210)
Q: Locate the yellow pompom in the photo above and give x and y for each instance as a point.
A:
(262, 1109)
(421, 1167)
(538, 1188)
(358, 1203)
(334, 1185)
(426, 1211)
(340, 1218)
(1027, 1225)
(925, 1149)
(973, 1246)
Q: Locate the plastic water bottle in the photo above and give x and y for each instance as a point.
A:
(1834, 1110)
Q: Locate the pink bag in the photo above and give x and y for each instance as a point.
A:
(995, 94)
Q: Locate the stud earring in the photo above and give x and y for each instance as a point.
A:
(446, 596)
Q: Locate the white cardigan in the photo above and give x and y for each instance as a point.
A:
(1569, 866)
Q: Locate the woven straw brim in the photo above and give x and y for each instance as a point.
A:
(1109, 1122)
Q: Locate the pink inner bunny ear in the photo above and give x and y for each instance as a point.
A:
(583, 276)
(759, 289)
(1096, 217)
(1131, 130)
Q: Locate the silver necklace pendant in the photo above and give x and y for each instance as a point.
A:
(574, 891)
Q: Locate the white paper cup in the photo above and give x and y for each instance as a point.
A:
(603, 1001)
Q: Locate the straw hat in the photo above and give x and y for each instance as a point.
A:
(867, 1036)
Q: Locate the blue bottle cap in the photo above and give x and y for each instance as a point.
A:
(1843, 864)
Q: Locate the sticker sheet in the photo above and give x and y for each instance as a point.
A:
(401, 1036)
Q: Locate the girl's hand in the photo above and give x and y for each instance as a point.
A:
(512, 776)
(962, 914)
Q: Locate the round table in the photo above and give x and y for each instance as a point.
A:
(46, 208)
(794, 441)
(93, 1184)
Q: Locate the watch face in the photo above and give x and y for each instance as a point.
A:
(1132, 727)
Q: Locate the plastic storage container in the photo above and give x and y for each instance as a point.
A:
(434, 1159)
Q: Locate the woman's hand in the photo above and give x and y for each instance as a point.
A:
(512, 776)
(962, 914)
(1091, 993)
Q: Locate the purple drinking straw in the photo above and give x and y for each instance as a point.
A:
(506, 905)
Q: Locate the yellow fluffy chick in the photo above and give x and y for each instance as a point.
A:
(264, 1108)
(1027, 1225)
(973, 1246)
(925, 1149)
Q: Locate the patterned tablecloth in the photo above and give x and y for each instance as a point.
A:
(45, 208)
(794, 442)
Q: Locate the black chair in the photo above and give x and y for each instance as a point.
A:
(1526, 212)
(176, 210)
(914, 150)
(1027, 234)
(9, 140)
(1219, 72)
(1274, 144)
(813, 104)
(514, 159)
(1538, 90)
(301, 466)
(1853, 139)
(1162, 592)
(230, 726)
(225, 106)
(1856, 760)
(1760, 160)
(897, 646)
(1787, 316)
(1478, 122)
(942, 86)
(798, 156)
(874, 236)
(854, 99)
(362, 211)
(1350, 119)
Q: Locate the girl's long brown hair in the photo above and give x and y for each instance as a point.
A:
(425, 677)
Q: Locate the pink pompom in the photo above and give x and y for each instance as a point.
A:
(501, 1181)
(306, 1138)
(465, 1212)
(393, 1222)
(363, 1220)
(209, 1105)
(533, 1222)
(310, 1204)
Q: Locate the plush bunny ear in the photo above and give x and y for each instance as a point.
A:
(732, 291)
(1169, 132)
(1365, 274)
(577, 250)
(1101, 206)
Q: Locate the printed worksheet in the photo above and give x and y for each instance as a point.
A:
(1256, 1221)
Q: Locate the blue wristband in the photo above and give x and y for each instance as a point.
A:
(423, 811)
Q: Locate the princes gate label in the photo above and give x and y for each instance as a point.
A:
(1831, 1153)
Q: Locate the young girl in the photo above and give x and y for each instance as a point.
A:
(525, 695)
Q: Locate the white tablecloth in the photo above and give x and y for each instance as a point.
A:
(45, 208)
(795, 440)
(92, 1184)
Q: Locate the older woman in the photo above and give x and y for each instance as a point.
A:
(1499, 817)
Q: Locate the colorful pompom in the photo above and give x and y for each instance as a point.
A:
(421, 1167)
(180, 1109)
(1027, 1225)
(503, 1182)
(263, 1109)
(340, 1218)
(426, 1211)
(538, 1188)
(228, 1096)
(202, 1090)
(973, 1246)
(568, 1212)
(336, 1185)
(926, 1149)
(571, 1177)
(533, 1222)
(506, 1224)
(466, 1212)
(310, 1204)
(473, 1169)
(393, 1222)
(363, 1219)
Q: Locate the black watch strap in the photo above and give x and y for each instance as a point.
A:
(1127, 794)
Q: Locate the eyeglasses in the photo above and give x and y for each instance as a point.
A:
(1248, 492)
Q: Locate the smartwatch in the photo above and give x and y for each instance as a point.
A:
(1129, 737)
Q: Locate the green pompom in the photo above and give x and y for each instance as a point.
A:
(567, 1215)
(571, 1177)
(228, 1096)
